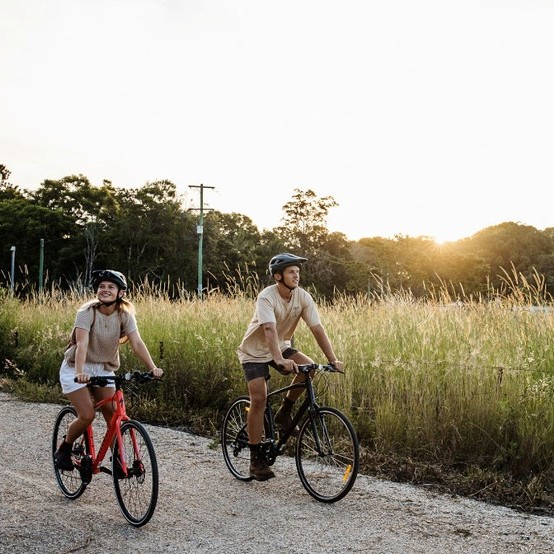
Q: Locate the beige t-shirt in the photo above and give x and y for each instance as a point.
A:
(105, 332)
(271, 307)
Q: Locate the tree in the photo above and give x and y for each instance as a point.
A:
(23, 224)
(7, 190)
(510, 245)
(91, 211)
(304, 231)
(152, 236)
(304, 226)
(230, 246)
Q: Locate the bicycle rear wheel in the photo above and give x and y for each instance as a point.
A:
(70, 482)
(327, 455)
(234, 439)
(137, 493)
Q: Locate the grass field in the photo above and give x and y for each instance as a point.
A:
(455, 396)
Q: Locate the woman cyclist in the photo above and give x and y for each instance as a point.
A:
(101, 325)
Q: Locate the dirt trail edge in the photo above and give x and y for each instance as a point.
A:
(203, 508)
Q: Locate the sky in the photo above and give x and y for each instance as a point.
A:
(419, 117)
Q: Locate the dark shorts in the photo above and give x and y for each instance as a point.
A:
(253, 370)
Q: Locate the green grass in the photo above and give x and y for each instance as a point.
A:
(459, 397)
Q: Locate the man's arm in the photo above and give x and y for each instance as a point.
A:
(325, 345)
(272, 339)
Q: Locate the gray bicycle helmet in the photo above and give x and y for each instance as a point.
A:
(99, 275)
(281, 261)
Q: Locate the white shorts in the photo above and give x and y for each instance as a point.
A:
(67, 374)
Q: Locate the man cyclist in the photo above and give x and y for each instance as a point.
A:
(267, 342)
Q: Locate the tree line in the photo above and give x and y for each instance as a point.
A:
(148, 234)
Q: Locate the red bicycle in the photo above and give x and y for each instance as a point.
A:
(134, 468)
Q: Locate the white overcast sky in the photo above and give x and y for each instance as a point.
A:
(420, 117)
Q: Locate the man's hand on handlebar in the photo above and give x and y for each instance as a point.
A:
(287, 366)
(157, 372)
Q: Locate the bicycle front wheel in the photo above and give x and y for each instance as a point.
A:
(234, 439)
(137, 492)
(70, 482)
(327, 455)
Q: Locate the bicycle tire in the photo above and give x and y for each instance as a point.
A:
(70, 482)
(234, 439)
(137, 493)
(328, 475)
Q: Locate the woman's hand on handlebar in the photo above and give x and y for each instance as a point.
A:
(82, 378)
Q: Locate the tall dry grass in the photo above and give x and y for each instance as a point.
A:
(450, 384)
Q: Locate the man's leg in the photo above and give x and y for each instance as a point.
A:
(283, 417)
(257, 389)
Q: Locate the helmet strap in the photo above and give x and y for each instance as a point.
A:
(282, 281)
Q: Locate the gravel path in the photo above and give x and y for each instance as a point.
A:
(202, 508)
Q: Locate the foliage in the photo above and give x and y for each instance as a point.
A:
(147, 233)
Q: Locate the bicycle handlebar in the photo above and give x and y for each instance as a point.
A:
(138, 376)
(319, 367)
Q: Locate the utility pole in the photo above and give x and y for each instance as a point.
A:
(41, 266)
(200, 232)
(12, 273)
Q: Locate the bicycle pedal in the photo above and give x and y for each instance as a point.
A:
(86, 470)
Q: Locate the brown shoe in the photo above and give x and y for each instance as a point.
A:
(259, 470)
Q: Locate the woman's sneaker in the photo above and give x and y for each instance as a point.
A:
(62, 457)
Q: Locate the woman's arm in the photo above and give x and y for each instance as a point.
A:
(81, 340)
(141, 351)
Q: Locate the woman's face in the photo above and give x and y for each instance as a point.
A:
(108, 292)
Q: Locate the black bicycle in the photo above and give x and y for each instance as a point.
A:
(327, 451)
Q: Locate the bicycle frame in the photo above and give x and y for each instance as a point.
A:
(113, 431)
(309, 404)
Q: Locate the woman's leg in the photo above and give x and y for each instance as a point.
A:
(84, 404)
(100, 393)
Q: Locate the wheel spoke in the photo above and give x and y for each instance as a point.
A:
(234, 439)
(327, 455)
(136, 492)
(70, 482)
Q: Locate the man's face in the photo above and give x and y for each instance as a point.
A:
(291, 276)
